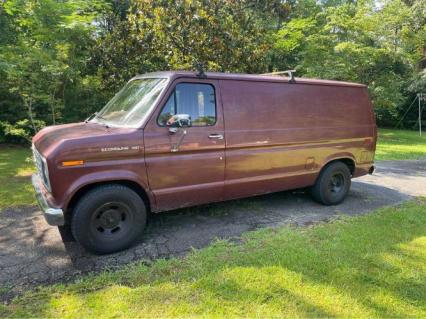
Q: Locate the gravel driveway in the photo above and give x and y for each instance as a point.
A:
(33, 253)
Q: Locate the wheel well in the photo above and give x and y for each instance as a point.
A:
(349, 163)
(80, 193)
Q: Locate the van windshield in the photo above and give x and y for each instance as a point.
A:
(130, 105)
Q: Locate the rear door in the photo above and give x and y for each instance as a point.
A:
(187, 167)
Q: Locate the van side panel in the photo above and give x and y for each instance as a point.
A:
(280, 135)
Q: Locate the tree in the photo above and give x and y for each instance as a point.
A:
(161, 35)
(359, 42)
(60, 60)
(44, 53)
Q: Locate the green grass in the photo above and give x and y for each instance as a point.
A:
(400, 145)
(15, 176)
(367, 266)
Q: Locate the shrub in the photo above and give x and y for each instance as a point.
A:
(19, 133)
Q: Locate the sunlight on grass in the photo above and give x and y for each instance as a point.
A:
(25, 171)
(286, 289)
(365, 267)
(400, 145)
(15, 170)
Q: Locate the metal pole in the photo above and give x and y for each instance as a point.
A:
(420, 114)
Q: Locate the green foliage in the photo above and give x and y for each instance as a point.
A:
(62, 60)
(357, 42)
(20, 132)
(371, 266)
(46, 54)
(161, 35)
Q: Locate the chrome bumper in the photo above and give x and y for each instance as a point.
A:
(53, 216)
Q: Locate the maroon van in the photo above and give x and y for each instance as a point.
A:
(176, 139)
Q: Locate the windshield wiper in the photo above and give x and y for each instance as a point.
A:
(90, 117)
(103, 120)
(97, 116)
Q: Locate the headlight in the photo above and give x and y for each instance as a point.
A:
(42, 168)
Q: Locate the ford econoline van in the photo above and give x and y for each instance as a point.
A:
(176, 139)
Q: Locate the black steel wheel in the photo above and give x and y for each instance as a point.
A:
(336, 183)
(108, 219)
(111, 220)
(333, 184)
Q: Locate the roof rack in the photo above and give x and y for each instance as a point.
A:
(290, 74)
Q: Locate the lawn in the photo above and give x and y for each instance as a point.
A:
(367, 266)
(16, 167)
(15, 172)
(400, 145)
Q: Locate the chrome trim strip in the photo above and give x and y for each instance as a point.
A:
(53, 216)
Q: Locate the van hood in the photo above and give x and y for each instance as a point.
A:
(49, 138)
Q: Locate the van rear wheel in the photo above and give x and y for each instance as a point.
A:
(108, 219)
(333, 184)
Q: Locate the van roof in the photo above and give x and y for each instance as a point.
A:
(246, 77)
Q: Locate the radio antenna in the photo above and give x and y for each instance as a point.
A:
(199, 66)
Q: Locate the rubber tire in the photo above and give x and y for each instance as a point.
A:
(320, 191)
(82, 215)
(66, 233)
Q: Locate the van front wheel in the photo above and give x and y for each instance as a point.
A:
(108, 219)
(333, 184)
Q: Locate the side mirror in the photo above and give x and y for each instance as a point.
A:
(178, 121)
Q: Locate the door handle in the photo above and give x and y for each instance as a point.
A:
(216, 136)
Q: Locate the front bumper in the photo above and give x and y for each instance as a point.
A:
(53, 216)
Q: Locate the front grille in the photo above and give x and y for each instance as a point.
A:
(41, 166)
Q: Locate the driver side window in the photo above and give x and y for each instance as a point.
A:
(193, 99)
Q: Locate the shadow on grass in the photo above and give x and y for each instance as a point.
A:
(13, 160)
(370, 266)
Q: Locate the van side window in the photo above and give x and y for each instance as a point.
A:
(196, 100)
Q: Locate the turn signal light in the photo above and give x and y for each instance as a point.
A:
(72, 163)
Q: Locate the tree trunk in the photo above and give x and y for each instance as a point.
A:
(422, 63)
(63, 94)
(52, 106)
(29, 105)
